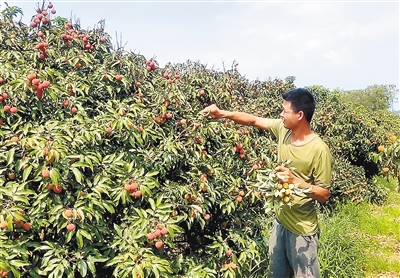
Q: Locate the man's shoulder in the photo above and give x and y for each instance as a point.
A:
(320, 147)
(274, 122)
(276, 125)
(320, 142)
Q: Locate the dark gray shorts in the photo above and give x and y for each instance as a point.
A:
(292, 255)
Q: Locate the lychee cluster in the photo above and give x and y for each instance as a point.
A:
(37, 85)
(171, 77)
(42, 16)
(150, 65)
(284, 191)
(162, 118)
(17, 222)
(70, 34)
(239, 150)
(7, 108)
(157, 236)
(42, 47)
(133, 189)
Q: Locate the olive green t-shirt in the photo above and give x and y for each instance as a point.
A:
(312, 163)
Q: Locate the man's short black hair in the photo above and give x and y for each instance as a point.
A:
(301, 100)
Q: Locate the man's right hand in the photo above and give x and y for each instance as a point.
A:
(213, 111)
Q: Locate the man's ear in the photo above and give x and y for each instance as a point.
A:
(301, 115)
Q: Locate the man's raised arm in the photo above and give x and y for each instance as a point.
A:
(238, 117)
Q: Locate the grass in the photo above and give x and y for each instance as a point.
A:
(362, 240)
(381, 229)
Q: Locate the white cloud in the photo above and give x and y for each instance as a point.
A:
(333, 56)
(313, 44)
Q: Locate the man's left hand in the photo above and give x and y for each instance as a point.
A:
(284, 174)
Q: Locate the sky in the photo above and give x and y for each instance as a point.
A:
(344, 45)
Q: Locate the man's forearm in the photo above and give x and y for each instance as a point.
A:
(239, 117)
(318, 193)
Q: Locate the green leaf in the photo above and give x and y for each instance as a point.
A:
(81, 164)
(85, 234)
(91, 266)
(43, 247)
(54, 176)
(155, 270)
(59, 271)
(69, 237)
(10, 156)
(19, 263)
(52, 94)
(152, 173)
(17, 274)
(77, 174)
(79, 239)
(82, 267)
(21, 199)
(114, 261)
(109, 207)
(9, 220)
(27, 172)
(152, 204)
(118, 230)
(138, 138)
(51, 264)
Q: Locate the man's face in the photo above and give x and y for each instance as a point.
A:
(288, 116)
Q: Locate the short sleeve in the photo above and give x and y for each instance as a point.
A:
(323, 169)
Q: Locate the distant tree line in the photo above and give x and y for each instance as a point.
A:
(375, 97)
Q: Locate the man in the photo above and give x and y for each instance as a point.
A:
(294, 236)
